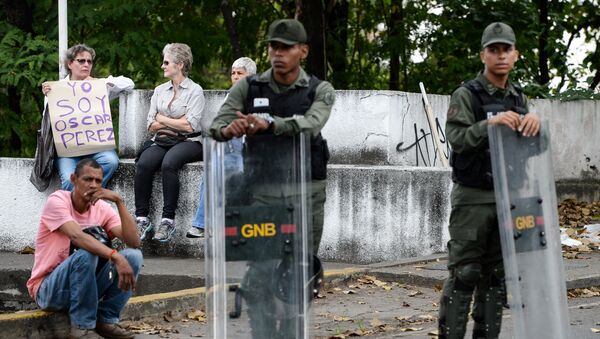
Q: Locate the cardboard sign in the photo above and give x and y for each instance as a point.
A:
(80, 117)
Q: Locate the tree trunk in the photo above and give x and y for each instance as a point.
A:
(230, 25)
(394, 36)
(337, 42)
(19, 14)
(596, 65)
(544, 77)
(314, 22)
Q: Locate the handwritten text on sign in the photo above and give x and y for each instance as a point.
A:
(80, 116)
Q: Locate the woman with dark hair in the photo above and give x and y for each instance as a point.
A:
(79, 61)
(173, 122)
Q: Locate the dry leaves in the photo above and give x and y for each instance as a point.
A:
(152, 329)
(584, 292)
(197, 315)
(364, 282)
(377, 323)
(416, 320)
(573, 216)
(27, 250)
(576, 214)
(341, 318)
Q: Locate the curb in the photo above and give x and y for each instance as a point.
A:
(43, 324)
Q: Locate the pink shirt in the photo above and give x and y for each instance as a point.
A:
(51, 245)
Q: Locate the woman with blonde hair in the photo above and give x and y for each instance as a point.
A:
(174, 124)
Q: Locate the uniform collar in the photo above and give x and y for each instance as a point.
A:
(491, 89)
(302, 80)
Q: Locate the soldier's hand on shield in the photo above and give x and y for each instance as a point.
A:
(509, 118)
(530, 125)
(256, 124)
(237, 127)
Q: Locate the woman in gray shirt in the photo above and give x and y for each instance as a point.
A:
(173, 122)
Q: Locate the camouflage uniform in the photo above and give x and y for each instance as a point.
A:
(474, 252)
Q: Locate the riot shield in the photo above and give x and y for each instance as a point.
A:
(258, 254)
(529, 232)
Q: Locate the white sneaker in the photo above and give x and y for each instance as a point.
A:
(195, 232)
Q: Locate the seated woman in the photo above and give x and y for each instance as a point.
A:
(79, 61)
(175, 110)
(241, 68)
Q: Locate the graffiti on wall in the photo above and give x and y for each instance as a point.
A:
(424, 145)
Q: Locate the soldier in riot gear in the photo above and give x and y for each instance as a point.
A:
(474, 252)
(275, 110)
(283, 101)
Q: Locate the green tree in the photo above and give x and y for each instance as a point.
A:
(370, 44)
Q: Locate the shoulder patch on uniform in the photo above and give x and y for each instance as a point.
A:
(452, 111)
(329, 98)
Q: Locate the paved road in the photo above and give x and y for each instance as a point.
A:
(372, 308)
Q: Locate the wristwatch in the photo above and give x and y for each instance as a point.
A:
(271, 122)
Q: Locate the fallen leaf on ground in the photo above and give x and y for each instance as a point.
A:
(584, 292)
(377, 323)
(379, 283)
(415, 293)
(146, 328)
(411, 329)
(197, 315)
(341, 318)
(27, 250)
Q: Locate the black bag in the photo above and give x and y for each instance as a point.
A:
(100, 234)
(168, 137)
(45, 154)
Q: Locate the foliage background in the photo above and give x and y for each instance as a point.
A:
(355, 44)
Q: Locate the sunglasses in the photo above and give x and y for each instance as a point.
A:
(165, 62)
(83, 61)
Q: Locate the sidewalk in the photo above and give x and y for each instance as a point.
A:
(168, 284)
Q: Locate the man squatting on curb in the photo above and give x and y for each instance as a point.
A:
(73, 269)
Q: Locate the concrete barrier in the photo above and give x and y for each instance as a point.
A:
(374, 213)
(390, 128)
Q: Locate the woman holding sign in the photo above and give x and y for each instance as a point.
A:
(174, 123)
(79, 60)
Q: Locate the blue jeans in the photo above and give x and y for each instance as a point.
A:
(233, 163)
(108, 160)
(75, 286)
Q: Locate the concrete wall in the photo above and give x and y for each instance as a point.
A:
(379, 213)
(387, 194)
(390, 128)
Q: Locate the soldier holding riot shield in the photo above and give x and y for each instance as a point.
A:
(474, 252)
(270, 215)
